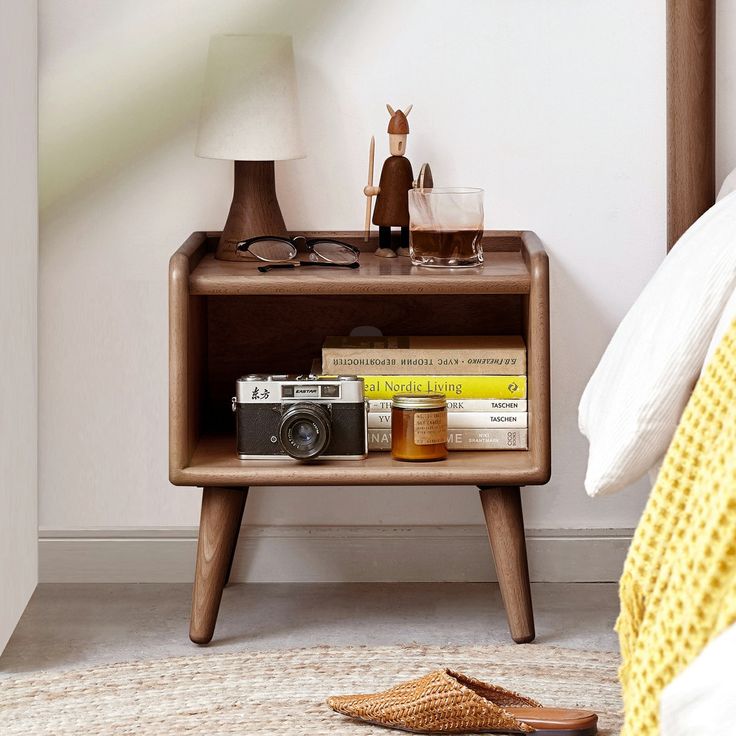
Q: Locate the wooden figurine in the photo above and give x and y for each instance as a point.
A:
(392, 192)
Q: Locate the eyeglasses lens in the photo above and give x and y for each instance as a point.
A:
(272, 250)
(334, 252)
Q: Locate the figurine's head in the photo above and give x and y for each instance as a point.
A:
(398, 129)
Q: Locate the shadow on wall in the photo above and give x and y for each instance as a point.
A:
(579, 327)
(103, 116)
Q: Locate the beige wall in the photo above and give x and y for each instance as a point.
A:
(557, 109)
(18, 296)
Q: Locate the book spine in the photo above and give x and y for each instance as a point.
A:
(463, 420)
(439, 361)
(454, 387)
(464, 405)
(379, 440)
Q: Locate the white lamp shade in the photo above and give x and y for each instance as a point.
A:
(250, 107)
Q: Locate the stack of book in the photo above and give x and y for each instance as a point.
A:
(483, 378)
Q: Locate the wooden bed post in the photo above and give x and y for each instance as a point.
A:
(690, 113)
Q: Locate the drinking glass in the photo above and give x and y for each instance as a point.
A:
(446, 227)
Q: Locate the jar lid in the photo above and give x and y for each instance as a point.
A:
(419, 401)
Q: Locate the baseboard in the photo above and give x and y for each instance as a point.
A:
(328, 554)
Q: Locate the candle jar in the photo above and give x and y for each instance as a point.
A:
(419, 427)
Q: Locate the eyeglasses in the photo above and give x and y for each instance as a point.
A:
(280, 252)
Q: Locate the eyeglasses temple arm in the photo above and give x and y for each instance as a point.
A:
(327, 264)
(264, 269)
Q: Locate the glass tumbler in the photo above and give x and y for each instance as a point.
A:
(446, 227)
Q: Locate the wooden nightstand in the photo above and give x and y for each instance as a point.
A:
(227, 319)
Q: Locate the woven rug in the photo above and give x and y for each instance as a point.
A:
(283, 691)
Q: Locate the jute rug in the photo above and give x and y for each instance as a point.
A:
(283, 691)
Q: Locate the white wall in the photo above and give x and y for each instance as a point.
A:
(725, 88)
(556, 108)
(18, 298)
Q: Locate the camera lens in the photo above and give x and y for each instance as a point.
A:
(305, 430)
(303, 434)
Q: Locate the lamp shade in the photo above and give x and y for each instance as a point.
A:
(250, 108)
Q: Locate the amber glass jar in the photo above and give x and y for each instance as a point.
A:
(419, 427)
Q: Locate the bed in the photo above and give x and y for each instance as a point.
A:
(697, 700)
(691, 184)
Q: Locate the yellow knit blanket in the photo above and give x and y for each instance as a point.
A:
(678, 588)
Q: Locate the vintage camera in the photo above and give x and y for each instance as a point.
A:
(301, 417)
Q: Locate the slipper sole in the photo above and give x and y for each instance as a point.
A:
(592, 731)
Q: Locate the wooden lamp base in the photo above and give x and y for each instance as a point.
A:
(254, 209)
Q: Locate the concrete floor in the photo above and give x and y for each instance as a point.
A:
(68, 626)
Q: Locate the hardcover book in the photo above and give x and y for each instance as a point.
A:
(454, 387)
(463, 420)
(500, 355)
(463, 405)
(379, 440)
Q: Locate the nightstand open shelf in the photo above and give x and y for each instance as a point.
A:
(214, 463)
(228, 319)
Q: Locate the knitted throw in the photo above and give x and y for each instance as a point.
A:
(678, 588)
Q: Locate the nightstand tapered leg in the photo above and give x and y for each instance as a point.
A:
(505, 523)
(219, 525)
(239, 523)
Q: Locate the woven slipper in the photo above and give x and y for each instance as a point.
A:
(448, 702)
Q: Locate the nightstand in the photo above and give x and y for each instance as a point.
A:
(228, 319)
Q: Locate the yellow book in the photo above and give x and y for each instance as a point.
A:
(454, 387)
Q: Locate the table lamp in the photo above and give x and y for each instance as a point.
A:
(250, 116)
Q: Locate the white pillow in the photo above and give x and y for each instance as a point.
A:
(728, 186)
(633, 402)
(724, 323)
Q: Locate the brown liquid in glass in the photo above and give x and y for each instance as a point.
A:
(456, 244)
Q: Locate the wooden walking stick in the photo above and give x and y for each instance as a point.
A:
(371, 157)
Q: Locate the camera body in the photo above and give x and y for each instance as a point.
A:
(305, 418)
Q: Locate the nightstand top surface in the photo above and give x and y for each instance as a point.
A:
(503, 272)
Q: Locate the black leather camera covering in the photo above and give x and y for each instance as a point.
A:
(258, 429)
